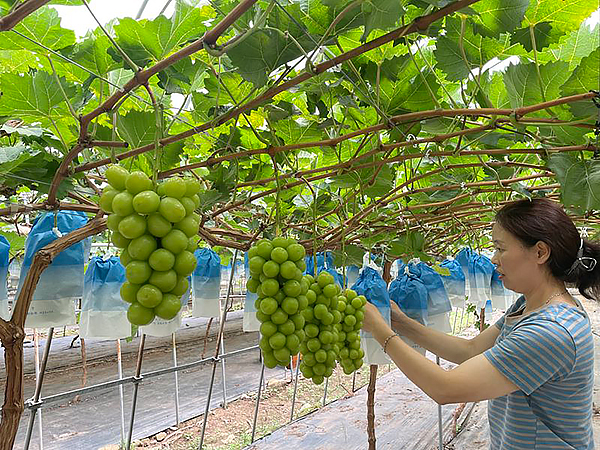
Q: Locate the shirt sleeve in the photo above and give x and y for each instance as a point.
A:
(534, 353)
(500, 322)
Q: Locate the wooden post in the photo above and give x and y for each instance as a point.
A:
(387, 267)
(482, 320)
(12, 333)
(371, 407)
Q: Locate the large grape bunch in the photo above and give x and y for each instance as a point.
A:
(276, 269)
(352, 307)
(155, 230)
(323, 327)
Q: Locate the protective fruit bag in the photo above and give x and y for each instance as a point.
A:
(103, 313)
(53, 303)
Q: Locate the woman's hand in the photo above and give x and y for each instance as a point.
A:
(373, 319)
(398, 318)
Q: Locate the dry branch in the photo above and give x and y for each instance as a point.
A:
(10, 20)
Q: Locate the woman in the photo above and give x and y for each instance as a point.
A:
(536, 365)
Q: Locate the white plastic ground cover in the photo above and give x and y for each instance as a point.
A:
(61, 284)
(206, 284)
(103, 312)
(4, 261)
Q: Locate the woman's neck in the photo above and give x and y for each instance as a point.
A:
(546, 291)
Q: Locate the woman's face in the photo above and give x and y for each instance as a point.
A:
(517, 264)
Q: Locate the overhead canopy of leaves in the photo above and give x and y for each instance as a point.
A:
(324, 159)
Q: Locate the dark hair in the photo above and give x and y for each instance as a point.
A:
(543, 220)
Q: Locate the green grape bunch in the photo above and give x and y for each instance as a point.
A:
(155, 227)
(352, 307)
(320, 348)
(276, 268)
(333, 321)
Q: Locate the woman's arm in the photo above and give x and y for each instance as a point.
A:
(450, 348)
(474, 380)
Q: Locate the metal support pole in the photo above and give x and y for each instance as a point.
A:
(295, 385)
(36, 341)
(325, 391)
(38, 386)
(260, 381)
(224, 382)
(216, 359)
(138, 370)
(121, 399)
(440, 428)
(207, 407)
(354, 381)
(454, 325)
(176, 380)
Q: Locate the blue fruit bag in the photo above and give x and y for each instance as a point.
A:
(324, 264)
(4, 260)
(438, 303)
(374, 288)
(410, 294)
(480, 285)
(454, 282)
(53, 303)
(103, 312)
(502, 298)
(250, 322)
(206, 284)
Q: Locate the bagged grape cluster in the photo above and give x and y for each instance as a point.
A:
(352, 308)
(155, 230)
(323, 324)
(276, 268)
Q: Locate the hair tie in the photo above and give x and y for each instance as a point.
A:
(586, 262)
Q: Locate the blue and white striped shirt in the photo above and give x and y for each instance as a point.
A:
(549, 355)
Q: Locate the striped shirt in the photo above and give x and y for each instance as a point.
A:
(549, 355)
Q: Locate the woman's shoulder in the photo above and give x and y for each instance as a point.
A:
(562, 317)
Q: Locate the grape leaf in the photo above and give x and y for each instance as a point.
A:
(260, 53)
(380, 14)
(92, 53)
(584, 78)
(542, 34)
(564, 15)
(524, 87)
(43, 26)
(579, 180)
(577, 45)
(33, 96)
(499, 16)
(151, 40)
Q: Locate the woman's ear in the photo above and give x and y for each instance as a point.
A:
(542, 252)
